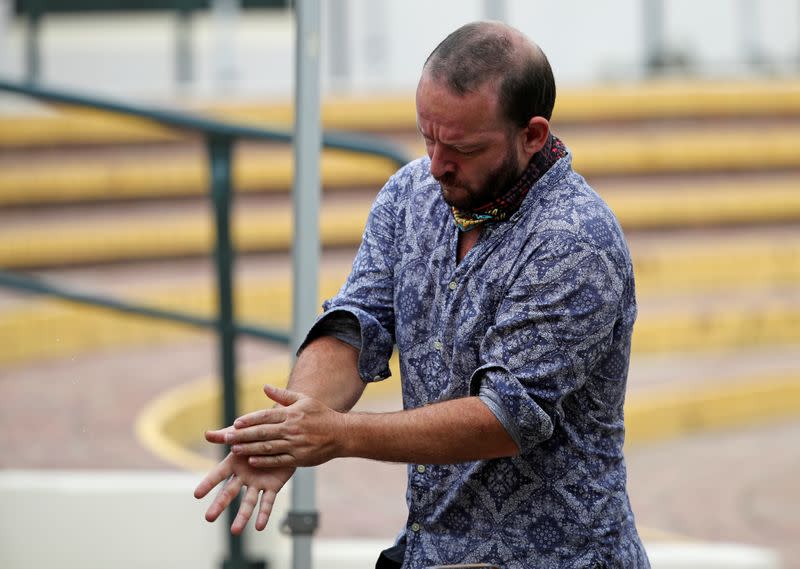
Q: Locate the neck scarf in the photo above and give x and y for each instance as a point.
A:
(504, 206)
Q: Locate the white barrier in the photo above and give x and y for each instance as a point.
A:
(124, 520)
(149, 519)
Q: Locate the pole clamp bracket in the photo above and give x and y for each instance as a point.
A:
(300, 523)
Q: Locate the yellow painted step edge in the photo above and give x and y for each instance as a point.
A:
(173, 423)
(613, 102)
(342, 224)
(56, 329)
(272, 171)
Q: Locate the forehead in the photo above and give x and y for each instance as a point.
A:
(455, 116)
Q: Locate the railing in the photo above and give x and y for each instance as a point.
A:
(35, 10)
(219, 139)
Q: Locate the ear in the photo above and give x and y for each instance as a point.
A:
(535, 135)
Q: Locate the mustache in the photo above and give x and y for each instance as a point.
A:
(448, 179)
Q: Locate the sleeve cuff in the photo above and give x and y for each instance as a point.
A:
(376, 343)
(527, 423)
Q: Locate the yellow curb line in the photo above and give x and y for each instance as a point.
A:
(271, 169)
(75, 241)
(50, 328)
(670, 414)
(175, 420)
(662, 99)
(254, 171)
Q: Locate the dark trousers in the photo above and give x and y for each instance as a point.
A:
(391, 558)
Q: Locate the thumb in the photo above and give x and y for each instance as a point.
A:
(282, 396)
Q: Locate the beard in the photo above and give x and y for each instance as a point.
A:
(469, 197)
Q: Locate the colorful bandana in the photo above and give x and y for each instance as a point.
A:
(504, 206)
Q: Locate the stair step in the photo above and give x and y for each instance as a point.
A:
(124, 232)
(684, 319)
(641, 101)
(37, 181)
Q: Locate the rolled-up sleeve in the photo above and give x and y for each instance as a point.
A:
(368, 292)
(554, 325)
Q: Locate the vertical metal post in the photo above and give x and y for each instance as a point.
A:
(32, 52)
(183, 43)
(224, 17)
(338, 42)
(494, 10)
(6, 15)
(302, 520)
(749, 20)
(653, 31)
(219, 151)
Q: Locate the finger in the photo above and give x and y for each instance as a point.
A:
(265, 508)
(265, 448)
(262, 417)
(218, 435)
(224, 498)
(277, 461)
(253, 434)
(282, 396)
(245, 510)
(216, 475)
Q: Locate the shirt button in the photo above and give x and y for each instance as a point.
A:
(415, 527)
(421, 468)
(437, 345)
(453, 285)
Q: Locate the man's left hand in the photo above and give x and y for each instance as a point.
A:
(300, 432)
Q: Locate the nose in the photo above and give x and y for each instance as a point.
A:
(441, 165)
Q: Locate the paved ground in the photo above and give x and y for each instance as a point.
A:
(78, 413)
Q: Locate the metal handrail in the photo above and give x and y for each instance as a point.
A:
(219, 138)
(210, 127)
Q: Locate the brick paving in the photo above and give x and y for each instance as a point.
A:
(78, 413)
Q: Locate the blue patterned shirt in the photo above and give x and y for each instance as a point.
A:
(536, 320)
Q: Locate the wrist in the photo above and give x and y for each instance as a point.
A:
(347, 442)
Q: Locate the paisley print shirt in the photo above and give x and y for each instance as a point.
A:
(536, 320)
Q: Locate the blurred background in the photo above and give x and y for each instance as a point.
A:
(684, 116)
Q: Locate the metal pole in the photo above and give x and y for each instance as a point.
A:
(748, 20)
(338, 43)
(33, 67)
(653, 36)
(225, 16)
(183, 44)
(219, 150)
(494, 10)
(302, 519)
(5, 29)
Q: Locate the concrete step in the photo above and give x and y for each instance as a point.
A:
(731, 307)
(59, 236)
(656, 100)
(141, 174)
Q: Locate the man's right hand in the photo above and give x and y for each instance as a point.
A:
(236, 474)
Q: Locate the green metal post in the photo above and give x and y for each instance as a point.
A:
(184, 63)
(33, 66)
(219, 149)
(653, 29)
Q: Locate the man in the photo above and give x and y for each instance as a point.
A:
(506, 285)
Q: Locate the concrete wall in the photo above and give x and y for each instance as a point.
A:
(380, 45)
(135, 520)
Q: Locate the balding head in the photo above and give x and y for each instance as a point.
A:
(483, 52)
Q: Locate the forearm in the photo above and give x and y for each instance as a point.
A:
(453, 431)
(327, 370)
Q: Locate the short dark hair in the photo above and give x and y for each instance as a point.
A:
(481, 51)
